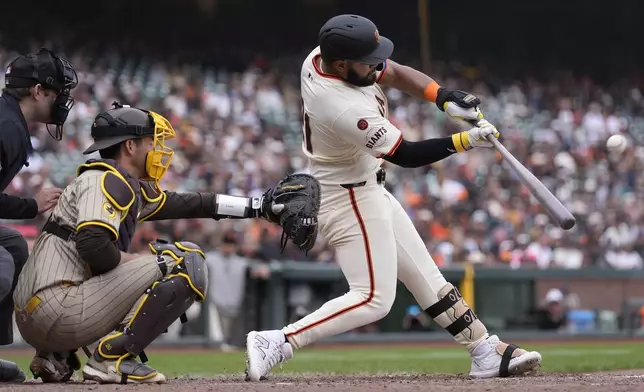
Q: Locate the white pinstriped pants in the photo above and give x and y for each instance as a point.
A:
(67, 318)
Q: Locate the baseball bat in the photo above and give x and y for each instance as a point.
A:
(553, 206)
(555, 209)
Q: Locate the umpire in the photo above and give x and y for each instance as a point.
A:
(37, 89)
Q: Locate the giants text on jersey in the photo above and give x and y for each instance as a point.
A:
(346, 130)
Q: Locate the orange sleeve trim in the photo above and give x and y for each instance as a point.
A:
(382, 73)
(395, 147)
(372, 278)
(431, 91)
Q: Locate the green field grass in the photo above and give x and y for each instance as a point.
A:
(383, 359)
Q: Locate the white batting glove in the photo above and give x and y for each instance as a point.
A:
(478, 135)
(475, 137)
(466, 114)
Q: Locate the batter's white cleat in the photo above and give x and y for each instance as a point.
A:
(493, 358)
(265, 350)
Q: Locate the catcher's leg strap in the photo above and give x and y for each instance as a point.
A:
(452, 313)
(162, 305)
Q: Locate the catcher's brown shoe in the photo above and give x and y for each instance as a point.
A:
(121, 371)
(51, 367)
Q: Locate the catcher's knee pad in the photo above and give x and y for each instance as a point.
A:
(454, 314)
(162, 305)
(187, 260)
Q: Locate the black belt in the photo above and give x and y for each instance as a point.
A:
(59, 231)
(380, 179)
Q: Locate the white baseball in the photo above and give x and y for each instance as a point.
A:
(616, 144)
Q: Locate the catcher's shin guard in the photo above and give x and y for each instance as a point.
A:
(194, 267)
(452, 313)
(163, 303)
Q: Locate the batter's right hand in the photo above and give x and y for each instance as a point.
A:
(477, 137)
(47, 199)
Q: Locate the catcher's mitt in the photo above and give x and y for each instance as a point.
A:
(294, 204)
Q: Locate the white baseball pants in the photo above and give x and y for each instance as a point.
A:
(376, 243)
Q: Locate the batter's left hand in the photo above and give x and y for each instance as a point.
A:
(470, 115)
(461, 98)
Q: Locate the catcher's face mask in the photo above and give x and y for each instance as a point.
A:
(159, 158)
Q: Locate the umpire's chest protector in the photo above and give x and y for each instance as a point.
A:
(130, 218)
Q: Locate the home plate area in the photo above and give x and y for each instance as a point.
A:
(616, 381)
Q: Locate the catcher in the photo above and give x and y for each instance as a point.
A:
(80, 285)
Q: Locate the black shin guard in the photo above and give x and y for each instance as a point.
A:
(162, 305)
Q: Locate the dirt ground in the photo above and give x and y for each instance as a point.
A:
(619, 381)
(615, 381)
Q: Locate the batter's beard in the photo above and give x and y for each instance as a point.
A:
(360, 81)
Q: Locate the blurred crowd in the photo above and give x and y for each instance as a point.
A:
(238, 133)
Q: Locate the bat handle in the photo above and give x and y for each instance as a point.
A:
(495, 142)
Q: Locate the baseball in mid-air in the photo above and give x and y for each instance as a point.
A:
(616, 144)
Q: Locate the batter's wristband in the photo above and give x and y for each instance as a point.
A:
(431, 91)
(461, 141)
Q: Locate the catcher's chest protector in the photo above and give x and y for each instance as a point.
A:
(128, 225)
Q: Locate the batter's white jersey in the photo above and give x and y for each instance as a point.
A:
(346, 130)
(346, 134)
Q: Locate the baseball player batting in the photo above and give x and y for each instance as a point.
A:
(79, 285)
(346, 137)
